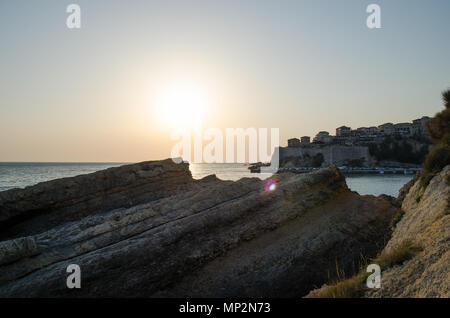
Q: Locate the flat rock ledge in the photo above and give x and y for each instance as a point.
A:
(150, 230)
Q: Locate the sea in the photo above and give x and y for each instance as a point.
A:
(23, 174)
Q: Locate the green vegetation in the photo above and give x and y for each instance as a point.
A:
(439, 126)
(439, 131)
(317, 160)
(355, 286)
(355, 163)
(397, 217)
(398, 255)
(420, 138)
(398, 149)
(438, 158)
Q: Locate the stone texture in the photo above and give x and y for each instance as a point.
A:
(48, 204)
(426, 224)
(403, 192)
(186, 238)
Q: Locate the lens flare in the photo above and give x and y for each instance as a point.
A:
(270, 185)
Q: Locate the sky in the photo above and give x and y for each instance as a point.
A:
(96, 93)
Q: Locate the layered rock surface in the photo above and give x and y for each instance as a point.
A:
(425, 224)
(48, 204)
(151, 230)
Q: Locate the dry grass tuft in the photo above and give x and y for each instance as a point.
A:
(352, 287)
(355, 286)
(397, 256)
(397, 218)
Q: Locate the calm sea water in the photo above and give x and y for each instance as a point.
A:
(377, 184)
(225, 171)
(20, 175)
(363, 184)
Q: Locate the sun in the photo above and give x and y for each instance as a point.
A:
(182, 104)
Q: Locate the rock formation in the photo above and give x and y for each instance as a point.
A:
(150, 230)
(425, 224)
(48, 204)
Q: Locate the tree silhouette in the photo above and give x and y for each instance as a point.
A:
(439, 131)
(439, 127)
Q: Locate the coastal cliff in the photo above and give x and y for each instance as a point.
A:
(414, 262)
(149, 229)
(424, 226)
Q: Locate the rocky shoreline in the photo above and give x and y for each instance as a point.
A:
(414, 263)
(151, 230)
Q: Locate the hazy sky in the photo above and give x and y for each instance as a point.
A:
(89, 94)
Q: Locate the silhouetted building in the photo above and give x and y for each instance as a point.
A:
(294, 142)
(419, 125)
(403, 129)
(324, 137)
(386, 129)
(305, 140)
(343, 131)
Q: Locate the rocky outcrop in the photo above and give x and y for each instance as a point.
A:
(34, 209)
(426, 225)
(403, 192)
(151, 230)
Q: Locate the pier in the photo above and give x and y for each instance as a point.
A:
(352, 170)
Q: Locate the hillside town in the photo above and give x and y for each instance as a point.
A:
(349, 137)
(387, 147)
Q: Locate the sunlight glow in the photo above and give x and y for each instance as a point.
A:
(182, 104)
